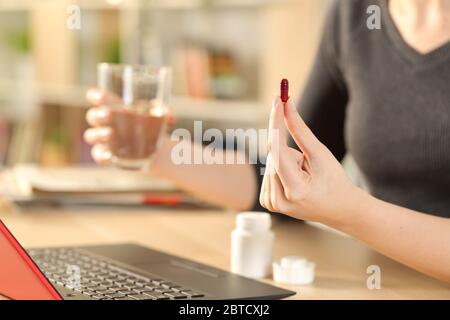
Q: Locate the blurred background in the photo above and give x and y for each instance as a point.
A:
(228, 57)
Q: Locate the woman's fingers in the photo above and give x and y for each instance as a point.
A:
(267, 174)
(277, 130)
(97, 117)
(100, 118)
(98, 97)
(101, 153)
(296, 190)
(264, 197)
(272, 192)
(262, 192)
(277, 197)
(279, 190)
(299, 131)
(98, 135)
(95, 96)
(289, 170)
(283, 162)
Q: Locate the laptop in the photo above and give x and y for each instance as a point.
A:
(116, 272)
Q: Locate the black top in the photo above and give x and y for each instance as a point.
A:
(374, 96)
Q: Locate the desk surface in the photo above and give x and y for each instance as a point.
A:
(204, 236)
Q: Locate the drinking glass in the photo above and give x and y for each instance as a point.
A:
(137, 96)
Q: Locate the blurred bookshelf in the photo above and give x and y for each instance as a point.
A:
(227, 58)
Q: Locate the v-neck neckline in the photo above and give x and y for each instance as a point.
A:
(411, 54)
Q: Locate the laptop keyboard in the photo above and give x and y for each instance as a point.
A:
(100, 279)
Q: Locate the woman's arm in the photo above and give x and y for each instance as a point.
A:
(418, 240)
(228, 185)
(312, 185)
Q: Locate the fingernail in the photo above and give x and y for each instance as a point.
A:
(104, 132)
(88, 135)
(102, 113)
(101, 153)
(106, 155)
(94, 95)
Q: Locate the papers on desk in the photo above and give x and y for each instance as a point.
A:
(32, 179)
(88, 186)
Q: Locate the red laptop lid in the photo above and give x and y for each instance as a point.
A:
(20, 278)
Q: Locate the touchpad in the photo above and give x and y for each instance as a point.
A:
(182, 272)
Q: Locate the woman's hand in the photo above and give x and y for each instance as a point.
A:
(101, 135)
(311, 185)
(308, 185)
(99, 117)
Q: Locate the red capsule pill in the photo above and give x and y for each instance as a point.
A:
(284, 90)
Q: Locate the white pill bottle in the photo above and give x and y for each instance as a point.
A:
(252, 245)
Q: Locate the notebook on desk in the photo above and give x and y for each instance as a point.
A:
(32, 179)
(91, 186)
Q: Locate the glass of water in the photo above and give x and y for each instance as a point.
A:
(137, 96)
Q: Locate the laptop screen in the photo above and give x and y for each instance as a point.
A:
(20, 278)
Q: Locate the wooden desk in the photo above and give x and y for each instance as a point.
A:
(204, 236)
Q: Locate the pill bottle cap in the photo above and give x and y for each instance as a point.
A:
(253, 221)
(294, 270)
